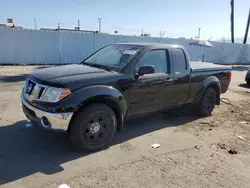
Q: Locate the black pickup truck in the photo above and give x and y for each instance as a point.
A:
(91, 100)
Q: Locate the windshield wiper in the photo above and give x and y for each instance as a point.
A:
(105, 67)
(90, 64)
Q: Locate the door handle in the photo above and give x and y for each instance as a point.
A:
(169, 80)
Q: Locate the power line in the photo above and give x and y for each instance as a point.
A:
(138, 31)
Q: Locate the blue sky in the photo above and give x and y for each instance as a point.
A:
(178, 18)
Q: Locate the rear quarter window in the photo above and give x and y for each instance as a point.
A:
(180, 63)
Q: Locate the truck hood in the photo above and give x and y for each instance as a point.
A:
(65, 70)
(74, 76)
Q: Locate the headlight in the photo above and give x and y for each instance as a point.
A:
(53, 94)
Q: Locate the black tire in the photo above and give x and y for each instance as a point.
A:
(207, 102)
(248, 82)
(93, 128)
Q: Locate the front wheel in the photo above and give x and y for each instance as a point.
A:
(93, 127)
(207, 102)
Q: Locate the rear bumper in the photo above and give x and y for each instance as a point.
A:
(52, 121)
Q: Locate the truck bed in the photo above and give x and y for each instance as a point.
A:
(198, 66)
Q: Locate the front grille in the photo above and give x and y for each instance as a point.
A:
(41, 92)
(33, 90)
(30, 87)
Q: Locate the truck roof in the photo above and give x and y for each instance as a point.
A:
(155, 45)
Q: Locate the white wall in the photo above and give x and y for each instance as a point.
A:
(19, 46)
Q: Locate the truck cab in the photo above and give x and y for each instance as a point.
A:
(167, 86)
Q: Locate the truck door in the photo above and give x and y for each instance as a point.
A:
(181, 85)
(147, 93)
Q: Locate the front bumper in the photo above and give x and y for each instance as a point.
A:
(47, 120)
(247, 78)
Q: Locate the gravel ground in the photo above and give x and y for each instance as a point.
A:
(207, 152)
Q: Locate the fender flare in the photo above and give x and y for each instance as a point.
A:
(101, 93)
(211, 81)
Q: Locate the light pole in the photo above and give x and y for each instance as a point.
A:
(35, 23)
(100, 22)
(199, 32)
(79, 24)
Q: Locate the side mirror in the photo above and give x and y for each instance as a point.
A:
(146, 69)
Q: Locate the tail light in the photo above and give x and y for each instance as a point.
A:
(229, 77)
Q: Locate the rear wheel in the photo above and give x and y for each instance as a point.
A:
(93, 128)
(207, 102)
(248, 82)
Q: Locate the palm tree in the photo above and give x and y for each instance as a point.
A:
(232, 20)
(246, 33)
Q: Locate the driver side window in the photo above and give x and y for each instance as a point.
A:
(156, 58)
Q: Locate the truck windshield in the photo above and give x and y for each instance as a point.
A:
(113, 56)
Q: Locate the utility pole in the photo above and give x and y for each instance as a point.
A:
(199, 32)
(162, 34)
(247, 28)
(35, 23)
(232, 21)
(79, 25)
(100, 22)
(58, 27)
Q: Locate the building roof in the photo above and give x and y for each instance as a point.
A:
(10, 26)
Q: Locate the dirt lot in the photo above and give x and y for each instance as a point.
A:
(208, 152)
